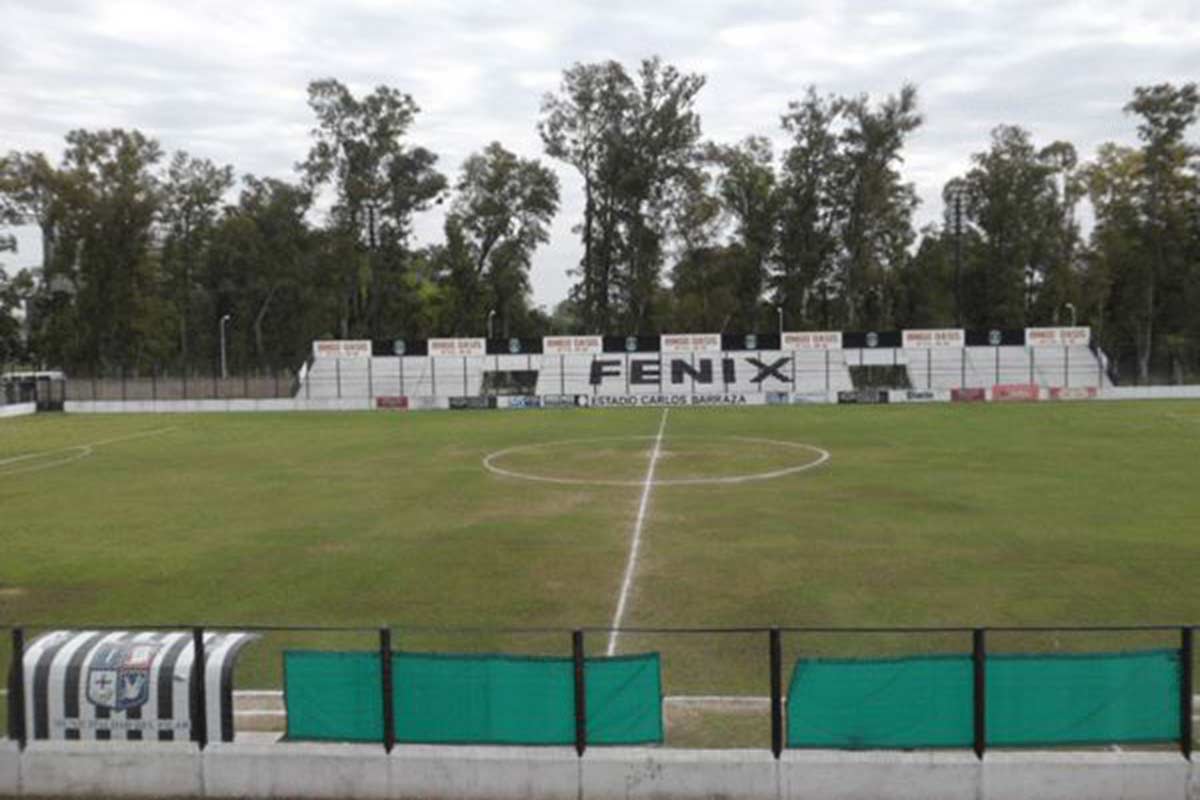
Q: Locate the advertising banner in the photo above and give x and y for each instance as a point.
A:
(976, 395)
(672, 400)
(1058, 337)
(812, 340)
(342, 348)
(690, 343)
(457, 347)
(392, 403)
(921, 396)
(127, 685)
(520, 401)
(951, 338)
(572, 345)
(563, 401)
(472, 402)
(863, 397)
(428, 403)
(1015, 392)
(1074, 392)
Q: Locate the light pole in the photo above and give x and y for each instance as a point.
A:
(779, 308)
(224, 369)
(1071, 307)
(957, 198)
(491, 316)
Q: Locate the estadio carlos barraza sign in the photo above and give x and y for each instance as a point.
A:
(127, 686)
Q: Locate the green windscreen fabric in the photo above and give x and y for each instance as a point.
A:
(499, 699)
(333, 697)
(624, 699)
(924, 701)
(1101, 698)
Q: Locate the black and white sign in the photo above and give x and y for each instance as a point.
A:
(127, 685)
(692, 371)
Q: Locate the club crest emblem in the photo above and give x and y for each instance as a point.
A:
(872, 339)
(751, 341)
(514, 346)
(631, 344)
(994, 338)
(119, 675)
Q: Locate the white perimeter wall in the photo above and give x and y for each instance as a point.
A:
(17, 410)
(494, 773)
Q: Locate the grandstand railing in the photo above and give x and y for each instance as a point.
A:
(1080, 656)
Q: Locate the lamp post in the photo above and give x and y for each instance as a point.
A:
(491, 316)
(779, 308)
(1071, 307)
(956, 198)
(224, 369)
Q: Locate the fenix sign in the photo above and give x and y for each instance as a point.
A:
(693, 370)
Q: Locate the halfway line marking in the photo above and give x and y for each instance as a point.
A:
(631, 566)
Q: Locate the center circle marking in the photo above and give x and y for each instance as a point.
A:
(490, 463)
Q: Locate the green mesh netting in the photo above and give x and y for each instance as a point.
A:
(460, 699)
(1100, 698)
(924, 701)
(333, 697)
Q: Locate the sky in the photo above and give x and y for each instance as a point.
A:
(226, 80)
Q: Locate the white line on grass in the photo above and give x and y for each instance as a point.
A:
(631, 566)
(78, 452)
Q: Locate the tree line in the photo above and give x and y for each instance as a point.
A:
(144, 252)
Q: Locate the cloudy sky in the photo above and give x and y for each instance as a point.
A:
(226, 80)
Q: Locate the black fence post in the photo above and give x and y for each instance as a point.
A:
(776, 692)
(1186, 657)
(979, 660)
(385, 673)
(16, 690)
(154, 382)
(124, 388)
(199, 693)
(577, 652)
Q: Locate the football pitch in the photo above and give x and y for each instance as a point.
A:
(454, 528)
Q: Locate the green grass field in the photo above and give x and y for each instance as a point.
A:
(925, 515)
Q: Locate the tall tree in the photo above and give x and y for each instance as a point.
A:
(192, 192)
(379, 182)
(501, 214)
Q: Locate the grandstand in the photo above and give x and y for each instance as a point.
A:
(695, 364)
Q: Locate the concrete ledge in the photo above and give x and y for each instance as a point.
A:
(927, 775)
(485, 773)
(149, 769)
(295, 770)
(18, 410)
(614, 773)
(268, 770)
(10, 768)
(1069, 776)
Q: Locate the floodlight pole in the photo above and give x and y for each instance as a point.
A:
(491, 316)
(224, 369)
(958, 256)
(1071, 307)
(779, 308)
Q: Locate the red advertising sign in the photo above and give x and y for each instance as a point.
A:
(968, 395)
(392, 403)
(1073, 392)
(812, 340)
(1058, 337)
(1015, 392)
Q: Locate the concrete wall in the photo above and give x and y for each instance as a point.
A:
(266, 770)
(1151, 393)
(17, 410)
(208, 406)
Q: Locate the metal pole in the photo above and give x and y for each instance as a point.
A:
(199, 694)
(370, 378)
(979, 661)
(577, 652)
(16, 690)
(1186, 657)
(385, 682)
(776, 692)
(780, 309)
(337, 371)
(929, 369)
(958, 259)
(224, 369)
(1066, 366)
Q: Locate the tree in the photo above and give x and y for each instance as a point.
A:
(746, 188)
(379, 183)
(501, 214)
(191, 201)
(635, 142)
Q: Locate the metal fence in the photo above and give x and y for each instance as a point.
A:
(722, 687)
(253, 384)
